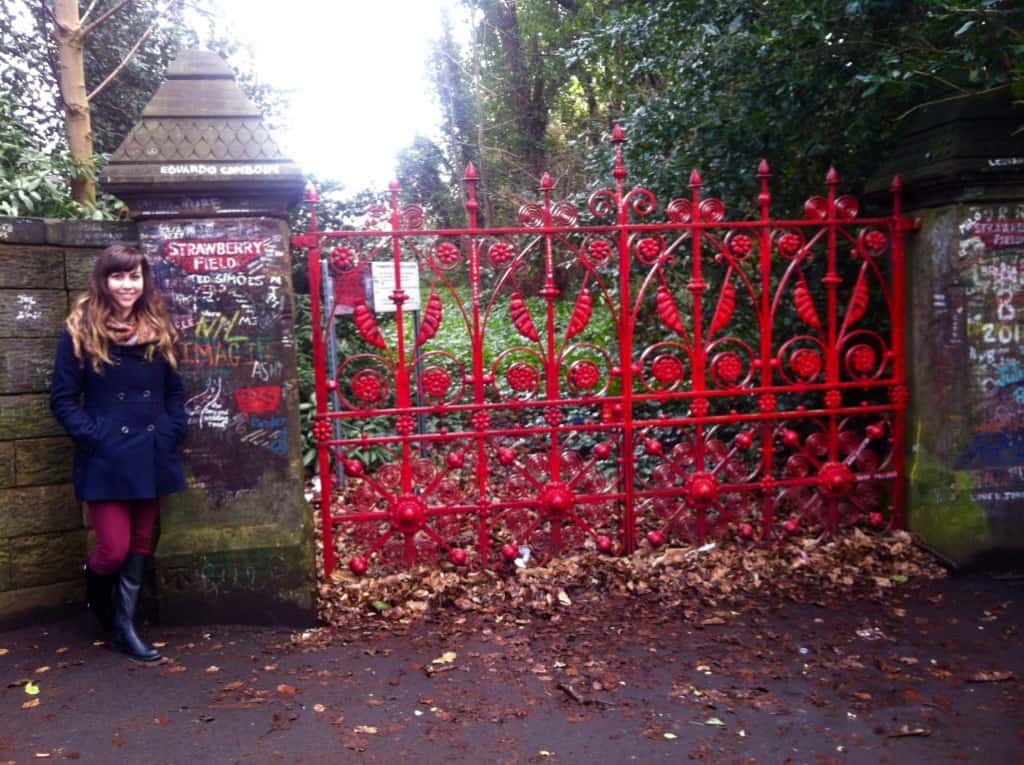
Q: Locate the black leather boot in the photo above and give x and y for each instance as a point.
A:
(99, 596)
(126, 598)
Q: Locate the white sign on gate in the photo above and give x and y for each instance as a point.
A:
(383, 274)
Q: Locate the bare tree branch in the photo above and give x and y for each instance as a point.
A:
(106, 15)
(957, 97)
(49, 12)
(89, 10)
(128, 56)
(44, 35)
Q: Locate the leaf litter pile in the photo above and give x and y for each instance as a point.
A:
(707, 582)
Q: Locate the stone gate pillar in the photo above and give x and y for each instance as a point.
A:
(210, 191)
(963, 173)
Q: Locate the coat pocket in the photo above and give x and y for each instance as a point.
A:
(94, 443)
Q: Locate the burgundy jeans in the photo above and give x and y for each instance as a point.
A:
(121, 528)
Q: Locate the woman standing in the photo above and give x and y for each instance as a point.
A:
(117, 392)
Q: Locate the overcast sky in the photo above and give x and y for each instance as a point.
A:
(355, 74)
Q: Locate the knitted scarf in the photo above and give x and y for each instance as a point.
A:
(130, 332)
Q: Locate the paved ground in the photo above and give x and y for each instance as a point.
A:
(928, 674)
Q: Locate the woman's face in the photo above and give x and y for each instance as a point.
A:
(125, 288)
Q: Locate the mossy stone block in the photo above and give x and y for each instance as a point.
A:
(78, 265)
(44, 559)
(30, 510)
(5, 568)
(26, 364)
(24, 267)
(27, 416)
(7, 471)
(91, 233)
(22, 230)
(44, 460)
(22, 606)
(31, 312)
(255, 585)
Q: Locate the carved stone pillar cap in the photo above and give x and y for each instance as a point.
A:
(202, 143)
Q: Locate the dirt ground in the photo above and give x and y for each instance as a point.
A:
(927, 672)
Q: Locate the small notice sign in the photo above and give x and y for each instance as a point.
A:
(383, 274)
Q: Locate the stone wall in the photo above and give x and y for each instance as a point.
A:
(43, 538)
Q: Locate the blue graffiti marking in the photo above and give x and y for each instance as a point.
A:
(992, 450)
(1009, 373)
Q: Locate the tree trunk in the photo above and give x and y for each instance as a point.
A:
(76, 103)
(525, 85)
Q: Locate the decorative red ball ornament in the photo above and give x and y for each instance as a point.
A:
(322, 430)
(877, 520)
(603, 450)
(653, 446)
(358, 565)
(500, 253)
(876, 431)
(791, 438)
(599, 250)
(746, 531)
(876, 240)
(789, 244)
(332, 385)
(458, 556)
(701, 489)
(648, 248)
(836, 479)
(509, 552)
(408, 513)
(741, 245)
(506, 456)
(604, 544)
(556, 499)
(354, 468)
(791, 526)
(456, 459)
(745, 440)
(656, 538)
(667, 369)
(448, 253)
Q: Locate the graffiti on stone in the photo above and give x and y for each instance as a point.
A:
(226, 281)
(990, 292)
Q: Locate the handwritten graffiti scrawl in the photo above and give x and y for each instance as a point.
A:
(226, 281)
(990, 268)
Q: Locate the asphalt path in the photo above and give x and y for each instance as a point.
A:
(927, 672)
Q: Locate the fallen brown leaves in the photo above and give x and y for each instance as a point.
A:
(706, 581)
(991, 676)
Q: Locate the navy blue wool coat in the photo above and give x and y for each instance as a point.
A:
(127, 422)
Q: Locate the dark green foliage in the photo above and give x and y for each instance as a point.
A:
(717, 86)
(34, 182)
(709, 85)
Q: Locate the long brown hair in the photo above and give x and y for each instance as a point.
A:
(90, 317)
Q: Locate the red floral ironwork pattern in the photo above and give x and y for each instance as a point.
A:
(640, 372)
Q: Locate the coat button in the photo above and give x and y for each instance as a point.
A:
(121, 395)
(151, 426)
(146, 393)
(124, 428)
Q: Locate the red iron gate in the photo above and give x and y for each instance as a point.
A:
(658, 374)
